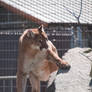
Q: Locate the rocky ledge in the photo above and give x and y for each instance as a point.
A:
(78, 78)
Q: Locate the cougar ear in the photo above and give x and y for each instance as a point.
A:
(41, 29)
(30, 34)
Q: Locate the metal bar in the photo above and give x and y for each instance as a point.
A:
(11, 86)
(8, 77)
(3, 85)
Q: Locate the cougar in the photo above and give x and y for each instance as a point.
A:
(37, 59)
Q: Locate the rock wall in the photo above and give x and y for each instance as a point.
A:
(77, 79)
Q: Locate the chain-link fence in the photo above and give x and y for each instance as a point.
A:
(63, 35)
(9, 51)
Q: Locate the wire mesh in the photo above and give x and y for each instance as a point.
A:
(9, 52)
(8, 84)
(11, 27)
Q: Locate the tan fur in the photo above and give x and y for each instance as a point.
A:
(34, 62)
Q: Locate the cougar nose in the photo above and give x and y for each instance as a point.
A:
(65, 67)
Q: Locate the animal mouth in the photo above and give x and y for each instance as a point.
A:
(43, 46)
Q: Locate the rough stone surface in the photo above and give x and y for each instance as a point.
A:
(77, 79)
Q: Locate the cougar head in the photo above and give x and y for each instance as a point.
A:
(38, 37)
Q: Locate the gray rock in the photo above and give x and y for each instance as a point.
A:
(77, 79)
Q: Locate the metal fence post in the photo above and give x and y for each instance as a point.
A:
(79, 37)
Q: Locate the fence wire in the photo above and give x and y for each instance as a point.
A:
(63, 35)
(8, 84)
(9, 52)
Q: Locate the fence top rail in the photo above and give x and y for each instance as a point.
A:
(8, 77)
(10, 33)
(20, 33)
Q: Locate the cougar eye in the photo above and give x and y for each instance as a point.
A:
(40, 40)
(46, 39)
